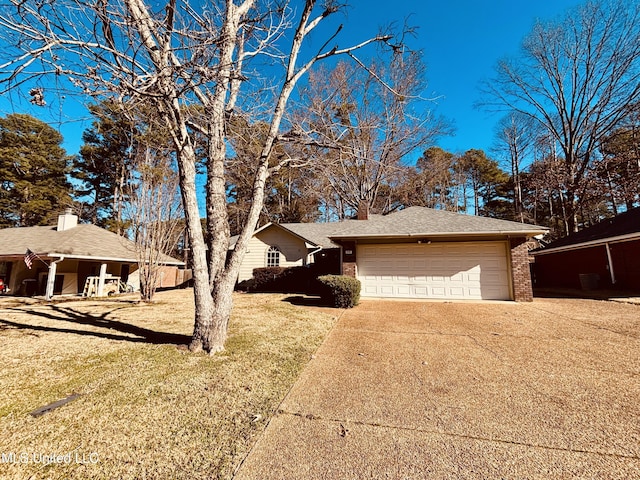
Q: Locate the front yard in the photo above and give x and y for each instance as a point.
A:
(146, 409)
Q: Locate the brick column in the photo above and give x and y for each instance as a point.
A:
(522, 289)
(349, 259)
(349, 269)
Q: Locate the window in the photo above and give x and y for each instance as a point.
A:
(273, 257)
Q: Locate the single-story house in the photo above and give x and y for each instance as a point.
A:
(63, 257)
(605, 255)
(417, 252)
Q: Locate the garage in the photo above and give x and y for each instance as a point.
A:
(455, 270)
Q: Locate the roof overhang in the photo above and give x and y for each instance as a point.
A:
(66, 256)
(309, 244)
(593, 243)
(441, 236)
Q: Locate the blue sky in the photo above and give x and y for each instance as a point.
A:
(461, 40)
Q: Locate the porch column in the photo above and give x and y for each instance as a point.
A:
(103, 273)
(51, 277)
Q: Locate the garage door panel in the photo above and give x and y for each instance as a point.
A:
(456, 292)
(438, 263)
(403, 250)
(438, 292)
(475, 292)
(473, 277)
(419, 264)
(461, 271)
(403, 290)
(421, 291)
(402, 264)
(490, 263)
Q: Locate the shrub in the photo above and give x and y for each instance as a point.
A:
(340, 291)
(267, 279)
(247, 285)
(280, 279)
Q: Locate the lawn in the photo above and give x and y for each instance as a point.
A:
(146, 409)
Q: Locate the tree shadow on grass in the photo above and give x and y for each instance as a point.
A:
(108, 327)
(307, 301)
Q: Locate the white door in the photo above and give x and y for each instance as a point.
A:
(469, 270)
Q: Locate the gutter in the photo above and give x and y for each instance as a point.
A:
(593, 243)
(442, 234)
(106, 259)
(310, 254)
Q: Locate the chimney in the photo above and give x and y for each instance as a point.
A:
(363, 210)
(67, 220)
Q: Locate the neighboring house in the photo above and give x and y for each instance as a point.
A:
(64, 257)
(417, 252)
(606, 255)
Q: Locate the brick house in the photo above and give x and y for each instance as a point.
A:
(416, 252)
(605, 255)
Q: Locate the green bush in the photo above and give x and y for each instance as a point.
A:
(279, 279)
(340, 291)
(267, 279)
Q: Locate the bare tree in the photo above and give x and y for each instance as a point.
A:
(578, 77)
(515, 139)
(619, 168)
(153, 211)
(364, 121)
(173, 55)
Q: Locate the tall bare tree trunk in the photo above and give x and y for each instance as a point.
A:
(204, 306)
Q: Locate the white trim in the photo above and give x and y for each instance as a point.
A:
(103, 259)
(271, 250)
(593, 243)
(462, 235)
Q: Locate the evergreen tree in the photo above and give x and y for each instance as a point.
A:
(33, 172)
(102, 167)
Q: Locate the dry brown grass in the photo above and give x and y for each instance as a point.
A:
(147, 409)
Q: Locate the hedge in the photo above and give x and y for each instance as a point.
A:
(279, 279)
(340, 290)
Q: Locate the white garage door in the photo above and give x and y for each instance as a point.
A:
(438, 270)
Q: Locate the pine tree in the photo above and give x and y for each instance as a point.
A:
(33, 172)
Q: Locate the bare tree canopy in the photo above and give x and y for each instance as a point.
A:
(172, 56)
(364, 121)
(578, 77)
(515, 138)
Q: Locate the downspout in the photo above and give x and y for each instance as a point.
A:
(51, 277)
(610, 261)
(311, 254)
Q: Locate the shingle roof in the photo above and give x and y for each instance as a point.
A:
(412, 221)
(81, 241)
(623, 224)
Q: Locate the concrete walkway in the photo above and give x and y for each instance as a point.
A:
(406, 390)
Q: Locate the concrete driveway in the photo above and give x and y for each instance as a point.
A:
(406, 390)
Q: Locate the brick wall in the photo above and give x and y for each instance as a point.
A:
(349, 269)
(522, 290)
